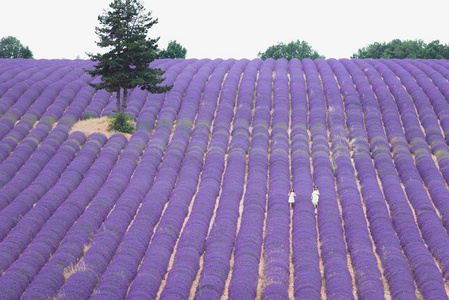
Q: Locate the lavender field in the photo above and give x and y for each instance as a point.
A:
(194, 204)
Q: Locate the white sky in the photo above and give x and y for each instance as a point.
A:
(56, 29)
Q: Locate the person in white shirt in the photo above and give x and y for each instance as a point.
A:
(315, 196)
(291, 197)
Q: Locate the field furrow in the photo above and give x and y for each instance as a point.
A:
(194, 204)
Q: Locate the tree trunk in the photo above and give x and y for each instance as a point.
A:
(125, 100)
(117, 109)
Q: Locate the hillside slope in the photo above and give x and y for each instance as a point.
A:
(194, 203)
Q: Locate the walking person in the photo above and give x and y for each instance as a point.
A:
(315, 196)
(291, 197)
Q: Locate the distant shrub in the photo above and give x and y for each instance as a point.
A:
(88, 116)
(120, 122)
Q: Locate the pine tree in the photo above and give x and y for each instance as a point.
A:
(126, 65)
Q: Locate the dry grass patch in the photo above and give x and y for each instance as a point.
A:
(70, 270)
(100, 125)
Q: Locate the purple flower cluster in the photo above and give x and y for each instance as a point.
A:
(100, 206)
(72, 246)
(248, 245)
(425, 164)
(157, 256)
(220, 242)
(148, 114)
(44, 181)
(22, 271)
(276, 245)
(132, 245)
(14, 181)
(21, 130)
(305, 257)
(396, 269)
(373, 101)
(13, 240)
(433, 233)
(337, 278)
(366, 273)
(191, 243)
(435, 86)
(179, 210)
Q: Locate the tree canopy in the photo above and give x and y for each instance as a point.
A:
(404, 49)
(126, 65)
(295, 49)
(10, 47)
(174, 50)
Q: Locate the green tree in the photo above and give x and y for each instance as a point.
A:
(297, 49)
(10, 47)
(126, 64)
(435, 50)
(174, 50)
(404, 49)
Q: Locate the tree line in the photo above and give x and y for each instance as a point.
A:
(124, 28)
(11, 47)
(396, 48)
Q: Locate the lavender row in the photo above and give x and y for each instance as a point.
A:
(36, 100)
(14, 133)
(26, 91)
(248, 244)
(276, 245)
(51, 276)
(131, 246)
(157, 256)
(436, 186)
(436, 88)
(22, 129)
(192, 240)
(12, 183)
(220, 242)
(45, 180)
(17, 159)
(15, 71)
(146, 119)
(333, 249)
(305, 257)
(18, 276)
(427, 218)
(41, 130)
(420, 260)
(112, 230)
(38, 96)
(367, 275)
(16, 241)
(138, 143)
(395, 265)
(104, 233)
(436, 92)
(138, 99)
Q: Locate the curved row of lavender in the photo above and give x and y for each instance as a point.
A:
(305, 256)
(360, 247)
(276, 244)
(396, 269)
(338, 281)
(220, 242)
(248, 243)
(194, 204)
(134, 242)
(155, 263)
(413, 245)
(192, 242)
